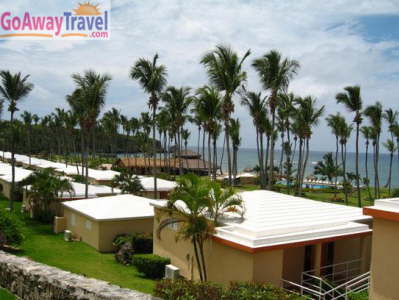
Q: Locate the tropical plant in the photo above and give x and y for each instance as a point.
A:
(256, 105)
(86, 103)
(391, 148)
(224, 69)
(10, 230)
(328, 168)
(127, 182)
(236, 142)
(345, 132)
(152, 78)
(46, 188)
(366, 132)
(275, 73)
(13, 89)
(353, 102)
(188, 206)
(375, 113)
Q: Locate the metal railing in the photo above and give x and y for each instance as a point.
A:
(335, 282)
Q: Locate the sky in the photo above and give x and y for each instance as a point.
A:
(338, 43)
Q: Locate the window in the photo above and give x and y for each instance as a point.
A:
(88, 225)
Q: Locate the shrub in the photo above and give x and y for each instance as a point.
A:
(10, 230)
(184, 290)
(189, 290)
(151, 265)
(142, 243)
(359, 296)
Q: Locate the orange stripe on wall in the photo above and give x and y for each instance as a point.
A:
(381, 214)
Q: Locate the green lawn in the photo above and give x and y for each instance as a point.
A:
(42, 245)
(5, 295)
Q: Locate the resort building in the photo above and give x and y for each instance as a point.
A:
(98, 221)
(191, 162)
(6, 180)
(79, 189)
(278, 239)
(164, 187)
(384, 259)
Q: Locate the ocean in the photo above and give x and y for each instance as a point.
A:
(248, 158)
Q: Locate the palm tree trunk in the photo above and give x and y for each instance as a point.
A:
(199, 265)
(86, 152)
(198, 146)
(222, 156)
(367, 169)
(215, 163)
(281, 155)
(227, 135)
(201, 250)
(359, 199)
(343, 156)
(11, 204)
(299, 167)
(209, 155)
(266, 158)
(203, 148)
(271, 155)
(390, 173)
(259, 148)
(154, 167)
(336, 165)
(305, 162)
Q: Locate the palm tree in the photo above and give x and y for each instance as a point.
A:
(86, 102)
(391, 148)
(327, 167)
(177, 102)
(236, 142)
(275, 73)
(27, 119)
(307, 115)
(335, 122)
(256, 105)
(344, 134)
(209, 108)
(152, 78)
(13, 89)
(353, 102)
(189, 206)
(375, 113)
(366, 131)
(224, 69)
(127, 182)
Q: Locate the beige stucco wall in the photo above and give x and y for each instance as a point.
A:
(224, 263)
(6, 190)
(79, 228)
(293, 263)
(110, 229)
(385, 261)
(101, 234)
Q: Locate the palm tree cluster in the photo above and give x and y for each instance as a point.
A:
(281, 119)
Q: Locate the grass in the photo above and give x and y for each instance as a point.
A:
(5, 295)
(43, 246)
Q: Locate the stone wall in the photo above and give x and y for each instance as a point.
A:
(34, 281)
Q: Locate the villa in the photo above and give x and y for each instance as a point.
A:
(79, 192)
(278, 238)
(6, 179)
(164, 187)
(384, 260)
(98, 221)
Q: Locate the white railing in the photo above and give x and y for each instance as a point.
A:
(322, 290)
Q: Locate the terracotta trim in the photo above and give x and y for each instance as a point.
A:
(381, 214)
(288, 245)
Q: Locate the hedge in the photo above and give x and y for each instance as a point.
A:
(151, 265)
(10, 229)
(190, 290)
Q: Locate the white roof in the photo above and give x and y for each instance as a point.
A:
(391, 204)
(162, 184)
(93, 191)
(6, 173)
(272, 218)
(121, 207)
